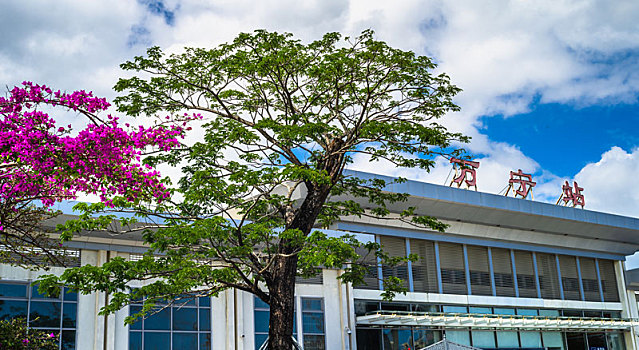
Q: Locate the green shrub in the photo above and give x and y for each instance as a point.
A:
(14, 335)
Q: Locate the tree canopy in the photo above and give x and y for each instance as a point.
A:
(284, 119)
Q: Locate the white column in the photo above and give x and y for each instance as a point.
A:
(118, 331)
(630, 337)
(222, 320)
(334, 312)
(90, 326)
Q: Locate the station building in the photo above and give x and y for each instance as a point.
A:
(508, 273)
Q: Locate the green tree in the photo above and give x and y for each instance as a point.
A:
(283, 121)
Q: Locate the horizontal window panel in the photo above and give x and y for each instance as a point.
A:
(157, 341)
(13, 290)
(184, 340)
(12, 308)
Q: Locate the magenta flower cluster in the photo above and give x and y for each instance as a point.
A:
(40, 161)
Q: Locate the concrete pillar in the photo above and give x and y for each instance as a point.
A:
(118, 330)
(630, 337)
(334, 304)
(222, 321)
(90, 328)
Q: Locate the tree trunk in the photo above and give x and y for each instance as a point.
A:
(282, 302)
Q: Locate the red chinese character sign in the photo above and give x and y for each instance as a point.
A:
(464, 173)
(524, 181)
(572, 195)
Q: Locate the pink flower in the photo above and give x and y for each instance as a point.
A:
(51, 164)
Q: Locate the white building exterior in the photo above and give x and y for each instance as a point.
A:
(508, 273)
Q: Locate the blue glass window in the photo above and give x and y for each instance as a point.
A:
(157, 341)
(313, 331)
(159, 321)
(56, 314)
(185, 341)
(13, 290)
(185, 319)
(184, 325)
(12, 308)
(205, 341)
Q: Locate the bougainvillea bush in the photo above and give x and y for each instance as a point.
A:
(43, 162)
(14, 335)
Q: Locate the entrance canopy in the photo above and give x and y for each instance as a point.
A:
(518, 322)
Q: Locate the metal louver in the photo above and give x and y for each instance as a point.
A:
(479, 270)
(395, 246)
(502, 265)
(526, 280)
(424, 269)
(589, 279)
(453, 272)
(548, 279)
(569, 277)
(608, 280)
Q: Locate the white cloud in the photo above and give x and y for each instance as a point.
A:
(610, 184)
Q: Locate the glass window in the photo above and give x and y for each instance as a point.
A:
(459, 337)
(56, 314)
(615, 341)
(480, 310)
(576, 341)
(424, 337)
(369, 339)
(573, 313)
(498, 311)
(483, 339)
(185, 319)
(184, 325)
(420, 307)
(36, 295)
(12, 308)
(597, 341)
(313, 323)
(554, 313)
(455, 309)
(185, 341)
(553, 340)
(13, 290)
(160, 320)
(527, 312)
(507, 339)
(396, 339)
(205, 341)
(530, 339)
(157, 341)
(364, 306)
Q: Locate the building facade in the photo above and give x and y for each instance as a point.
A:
(508, 274)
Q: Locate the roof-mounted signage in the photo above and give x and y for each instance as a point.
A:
(525, 183)
(572, 196)
(464, 173)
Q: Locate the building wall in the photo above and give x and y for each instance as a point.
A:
(233, 324)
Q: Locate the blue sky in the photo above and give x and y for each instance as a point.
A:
(563, 138)
(549, 87)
